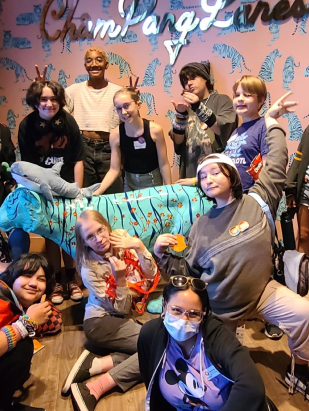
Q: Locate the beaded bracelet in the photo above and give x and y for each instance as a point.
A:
(10, 336)
(29, 324)
(21, 329)
(179, 125)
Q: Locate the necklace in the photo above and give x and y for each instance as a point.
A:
(210, 94)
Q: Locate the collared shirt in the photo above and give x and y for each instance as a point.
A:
(95, 276)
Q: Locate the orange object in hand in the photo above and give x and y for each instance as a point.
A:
(181, 245)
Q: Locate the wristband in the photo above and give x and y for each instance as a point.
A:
(195, 106)
(180, 125)
(21, 329)
(10, 336)
(29, 324)
(206, 115)
(181, 115)
(193, 181)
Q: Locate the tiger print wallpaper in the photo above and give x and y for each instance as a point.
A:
(275, 51)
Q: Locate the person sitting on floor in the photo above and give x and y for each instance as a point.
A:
(230, 248)
(109, 262)
(22, 310)
(190, 360)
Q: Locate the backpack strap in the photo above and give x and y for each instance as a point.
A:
(266, 211)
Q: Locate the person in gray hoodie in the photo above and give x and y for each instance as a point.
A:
(230, 248)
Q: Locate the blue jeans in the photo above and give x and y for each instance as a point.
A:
(97, 163)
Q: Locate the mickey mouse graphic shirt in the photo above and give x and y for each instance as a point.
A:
(193, 383)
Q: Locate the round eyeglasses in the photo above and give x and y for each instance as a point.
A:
(100, 232)
(192, 315)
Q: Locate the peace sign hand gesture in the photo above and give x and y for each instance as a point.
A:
(279, 108)
(40, 77)
(131, 85)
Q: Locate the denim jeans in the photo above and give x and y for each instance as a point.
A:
(97, 163)
(137, 181)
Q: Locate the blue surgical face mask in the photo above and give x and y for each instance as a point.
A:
(179, 329)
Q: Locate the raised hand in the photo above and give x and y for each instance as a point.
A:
(120, 241)
(163, 241)
(280, 107)
(40, 77)
(40, 312)
(190, 98)
(180, 107)
(118, 270)
(131, 85)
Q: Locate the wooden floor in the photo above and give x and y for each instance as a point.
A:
(51, 365)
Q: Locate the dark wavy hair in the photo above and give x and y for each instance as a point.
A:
(171, 290)
(34, 93)
(230, 172)
(190, 73)
(28, 264)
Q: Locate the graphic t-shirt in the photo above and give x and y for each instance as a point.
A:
(193, 383)
(245, 147)
(46, 143)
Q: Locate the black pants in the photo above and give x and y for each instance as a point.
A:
(14, 370)
(96, 164)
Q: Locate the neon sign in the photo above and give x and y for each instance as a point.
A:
(152, 25)
(185, 23)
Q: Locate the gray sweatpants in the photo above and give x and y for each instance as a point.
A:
(282, 307)
(120, 336)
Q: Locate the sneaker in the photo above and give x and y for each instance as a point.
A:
(82, 398)
(57, 294)
(273, 332)
(75, 292)
(80, 371)
(300, 381)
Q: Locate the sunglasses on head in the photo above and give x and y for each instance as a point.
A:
(181, 281)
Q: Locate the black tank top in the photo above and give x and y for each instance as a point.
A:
(139, 153)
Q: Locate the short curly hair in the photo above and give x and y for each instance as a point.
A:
(34, 93)
(99, 50)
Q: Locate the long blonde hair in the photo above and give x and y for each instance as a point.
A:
(83, 251)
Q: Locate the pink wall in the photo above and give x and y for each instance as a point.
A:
(289, 38)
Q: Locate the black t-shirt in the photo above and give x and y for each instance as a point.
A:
(45, 143)
(7, 154)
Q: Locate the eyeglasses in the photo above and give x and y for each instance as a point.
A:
(126, 107)
(192, 315)
(101, 231)
(181, 281)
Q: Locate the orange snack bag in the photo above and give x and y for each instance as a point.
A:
(181, 245)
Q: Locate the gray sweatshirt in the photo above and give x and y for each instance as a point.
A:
(236, 268)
